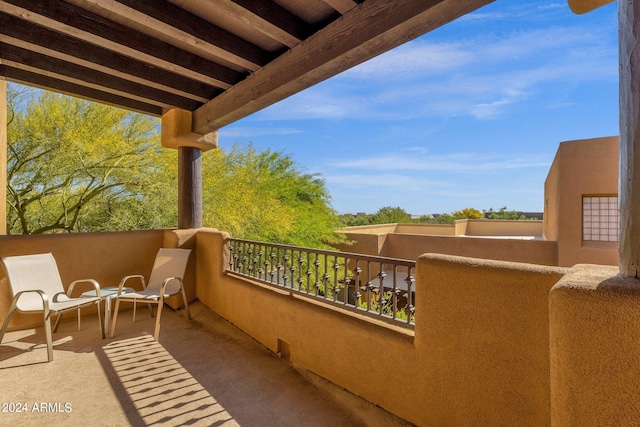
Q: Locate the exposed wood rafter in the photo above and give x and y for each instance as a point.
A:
(82, 91)
(68, 19)
(178, 24)
(272, 20)
(221, 60)
(342, 6)
(364, 32)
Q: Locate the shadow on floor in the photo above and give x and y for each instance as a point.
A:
(201, 372)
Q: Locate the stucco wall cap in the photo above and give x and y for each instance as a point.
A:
(596, 278)
(495, 264)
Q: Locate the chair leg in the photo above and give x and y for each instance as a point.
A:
(186, 304)
(100, 319)
(6, 322)
(156, 333)
(47, 332)
(115, 318)
(55, 325)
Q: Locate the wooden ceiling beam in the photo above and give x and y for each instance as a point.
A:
(50, 83)
(179, 24)
(76, 22)
(61, 70)
(33, 37)
(342, 6)
(374, 27)
(282, 25)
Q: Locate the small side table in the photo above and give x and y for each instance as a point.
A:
(107, 294)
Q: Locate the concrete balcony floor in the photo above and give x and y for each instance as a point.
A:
(203, 372)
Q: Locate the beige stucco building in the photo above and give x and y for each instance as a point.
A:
(581, 202)
(580, 222)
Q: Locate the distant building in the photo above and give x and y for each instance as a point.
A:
(579, 223)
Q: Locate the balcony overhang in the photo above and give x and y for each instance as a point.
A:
(221, 60)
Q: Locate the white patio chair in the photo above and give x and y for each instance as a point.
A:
(166, 280)
(36, 288)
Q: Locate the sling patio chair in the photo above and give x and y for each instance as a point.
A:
(36, 287)
(166, 280)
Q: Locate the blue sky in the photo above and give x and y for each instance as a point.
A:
(469, 115)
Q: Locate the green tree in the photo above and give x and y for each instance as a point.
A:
(467, 213)
(77, 166)
(503, 213)
(391, 215)
(436, 219)
(74, 165)
(350, 220)
(265, 196)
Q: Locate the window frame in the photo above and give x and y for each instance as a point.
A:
(603, 224)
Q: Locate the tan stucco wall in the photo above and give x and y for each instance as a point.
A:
(495, 343)
(595, 349)
(460, 227)
(408, 241)
(372, 360)
(497, 227)
(411, 246)
(480, 350)
(427, 229)
(468, 227)
(529, 251)
(105, 257)
(482, 335)
(582, 167)
(364, 243)
(550, 216)
(372, 229)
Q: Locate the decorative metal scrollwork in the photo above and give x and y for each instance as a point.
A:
(358, 282)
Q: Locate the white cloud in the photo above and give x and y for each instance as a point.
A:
(478, 76)
(452, 163)
(252, 132)
(523, 10)
(411, 59)
(400, 182)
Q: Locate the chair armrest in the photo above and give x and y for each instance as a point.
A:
(164, 285)
(43, 295)
(133, 276)
(95, 284)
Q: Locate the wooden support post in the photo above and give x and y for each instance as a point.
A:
(189, 187)
(176, 133)
(629, 191)
(3, 155)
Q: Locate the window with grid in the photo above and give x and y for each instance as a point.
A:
(600, 218)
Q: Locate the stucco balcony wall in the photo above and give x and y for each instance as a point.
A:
(595, 350)
(411, 241)
(480, 349)
(424, 229)
(504, 228)
(411, 246)
(482, 338)
(499, 343)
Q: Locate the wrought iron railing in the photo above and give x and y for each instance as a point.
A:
(375, 286)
